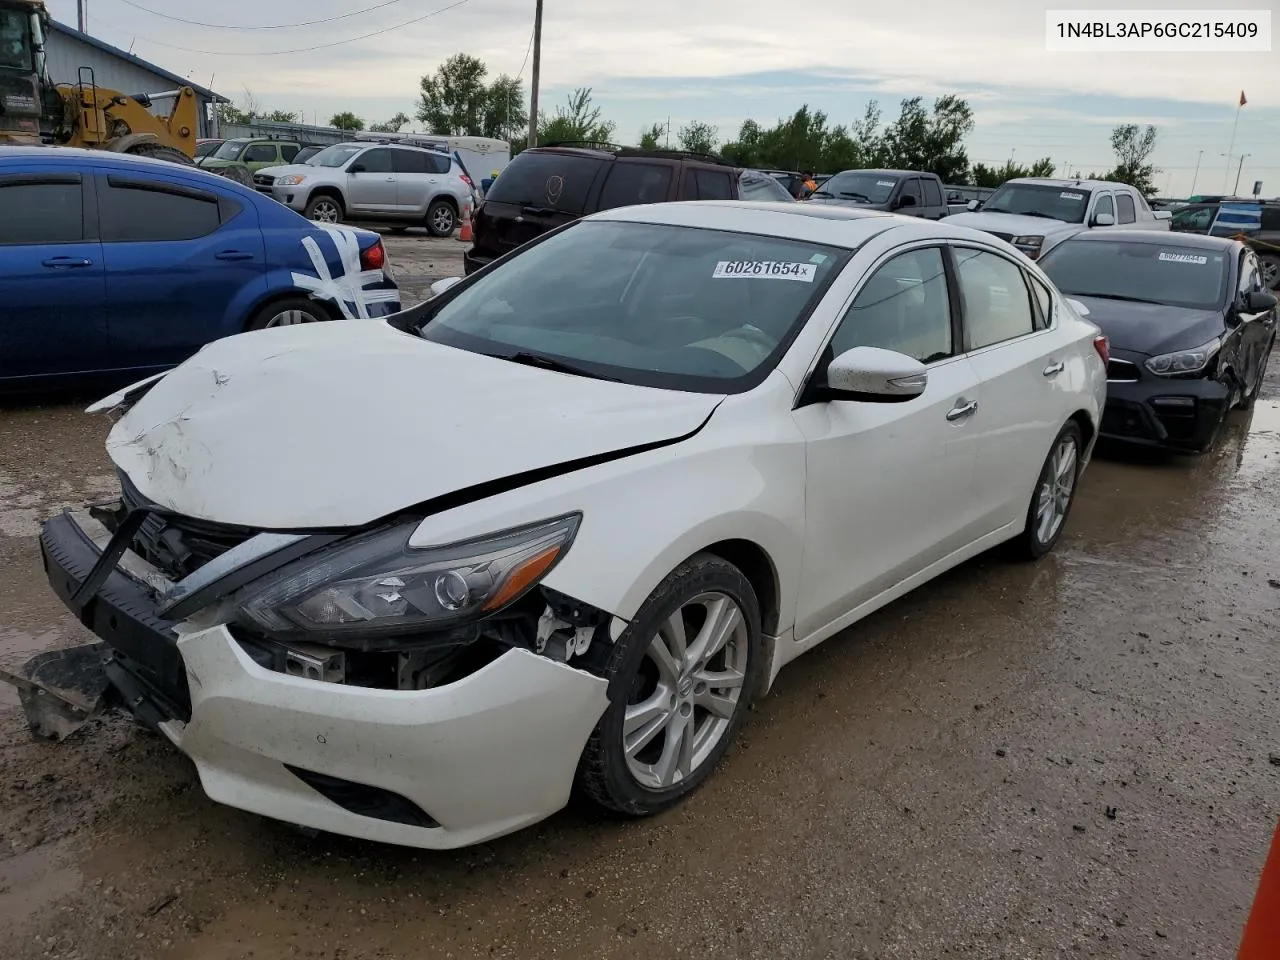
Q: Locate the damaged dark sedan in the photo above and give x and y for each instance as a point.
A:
(1190, 324)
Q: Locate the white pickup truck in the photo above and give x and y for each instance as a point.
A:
(1035, 214)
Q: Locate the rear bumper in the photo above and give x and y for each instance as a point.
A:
(473, 261)
(439, 768)
(1170, 414)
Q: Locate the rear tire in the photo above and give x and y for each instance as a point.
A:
(288, 312)
(672, 715)
(324, 208)
(442, 219)
(1053, 496)
(159, 151)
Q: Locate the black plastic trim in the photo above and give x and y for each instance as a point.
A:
(364, 800)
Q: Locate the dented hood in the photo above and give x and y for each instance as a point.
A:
(338, 424)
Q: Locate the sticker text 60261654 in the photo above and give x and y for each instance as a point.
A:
(764, 270)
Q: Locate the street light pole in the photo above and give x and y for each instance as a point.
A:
(537, 69)
(1239, 170)
(1196, 176)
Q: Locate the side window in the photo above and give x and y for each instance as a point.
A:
(376, 161)
(755, 186)
(131, 213)
(903, 306)
(932, 195)
(997, 306)
(260, 153)
(631, 183)
(911, 188)
(1124, 206)
(713, 185)
(1045, 299)
(410, 161)
(1193, 219)
(437, 163)
(41, 212)
(289, 151)
(1104, 205)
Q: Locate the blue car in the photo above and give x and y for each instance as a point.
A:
(122, 265)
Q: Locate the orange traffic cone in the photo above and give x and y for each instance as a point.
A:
(466, 234)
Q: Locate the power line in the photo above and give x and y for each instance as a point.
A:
(277, 53)
(265, 26)
(525, 61)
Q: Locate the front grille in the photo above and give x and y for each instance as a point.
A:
(179, 545)
(263, 179)
(1121, 370)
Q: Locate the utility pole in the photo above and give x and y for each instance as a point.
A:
(537, 69)
(82, 15)
(1195, 176)
(1239, 170)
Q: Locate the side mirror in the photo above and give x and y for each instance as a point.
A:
(973, 205)
(356, 168)
(1077, 306)
(873, 375)
(1103, 220)
(904, 201)
(440, 286)
(1259, 301)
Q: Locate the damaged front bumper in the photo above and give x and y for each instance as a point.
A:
(442, 767)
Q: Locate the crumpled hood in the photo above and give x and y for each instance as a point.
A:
(1151, 328)
(338, 424)
(1013, 224)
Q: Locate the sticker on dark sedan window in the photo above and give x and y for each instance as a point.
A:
(1183, 258)
(764, 269)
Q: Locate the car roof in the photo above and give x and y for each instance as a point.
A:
(879, 171)
(816, 223)
(1067, 182)
(1156, 238)
(72, 156)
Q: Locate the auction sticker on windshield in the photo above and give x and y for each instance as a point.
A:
(764, 269)
(1072, 196)
(1182, 258)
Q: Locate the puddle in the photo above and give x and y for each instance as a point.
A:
(1260, 450)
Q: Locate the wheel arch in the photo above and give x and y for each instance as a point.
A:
(278, 294)
(1088, 429)
(754, 562)
(326, 190)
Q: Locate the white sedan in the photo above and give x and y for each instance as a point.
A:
(414, 579)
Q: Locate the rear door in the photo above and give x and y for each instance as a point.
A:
(706, 183)
(416, 180)
(181, 263)
(371, 183)
(52, 294)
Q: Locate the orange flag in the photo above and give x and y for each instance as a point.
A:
(1243, 101)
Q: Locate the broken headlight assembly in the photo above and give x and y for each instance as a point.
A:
(376, 585)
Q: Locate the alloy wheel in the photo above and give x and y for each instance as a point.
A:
(1057, 484)
(442, 220)
(686, 691)
(288, 318)
(326, 211)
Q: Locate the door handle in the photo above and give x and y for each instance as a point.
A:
(962, 409)
(391, 179)
(1053, 369)
(233, 255)
(68, 262)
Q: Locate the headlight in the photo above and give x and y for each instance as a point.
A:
(1184, 361)
(377, 585)
(1029, 245)
(290, 180)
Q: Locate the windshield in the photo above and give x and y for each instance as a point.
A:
(656, 305)
(206, 149)
(230, 150)
(306, 154)
(862, 186)
(337, 155)
(15, 40)
(1169, 274)
(1067, 204)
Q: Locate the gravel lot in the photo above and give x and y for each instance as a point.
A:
(1069, 758)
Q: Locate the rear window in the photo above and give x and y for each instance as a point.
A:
(557, 181)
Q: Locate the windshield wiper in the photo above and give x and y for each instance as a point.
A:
(855, 196)
(820, 193)
(1037, 213)
(1118, 296)
(544, 362)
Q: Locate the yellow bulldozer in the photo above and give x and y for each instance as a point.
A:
(34, 110)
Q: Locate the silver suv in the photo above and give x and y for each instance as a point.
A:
(406, 186)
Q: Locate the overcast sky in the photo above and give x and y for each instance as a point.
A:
(724, 61)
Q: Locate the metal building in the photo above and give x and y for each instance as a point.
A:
(67, 50)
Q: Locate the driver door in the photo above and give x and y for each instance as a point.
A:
(371, 183)
(890, 485)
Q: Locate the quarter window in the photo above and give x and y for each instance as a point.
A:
(1045, 299)
(904, 306)
(997, 306)
(41, 213)
(132, 214)
(1124, 206)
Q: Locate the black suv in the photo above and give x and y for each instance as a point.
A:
(545, 187)
(1256, 221)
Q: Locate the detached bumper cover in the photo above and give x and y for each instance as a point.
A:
(487, 755)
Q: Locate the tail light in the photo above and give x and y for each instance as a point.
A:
(467, 180)
(1103, 347)
(374, 257)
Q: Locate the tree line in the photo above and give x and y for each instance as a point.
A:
(459, 99)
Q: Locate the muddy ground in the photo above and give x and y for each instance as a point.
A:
(1069, 758)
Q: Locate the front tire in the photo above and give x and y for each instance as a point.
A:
(1054, 494)
(680, 680)
(324, 209)
(287, 313)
